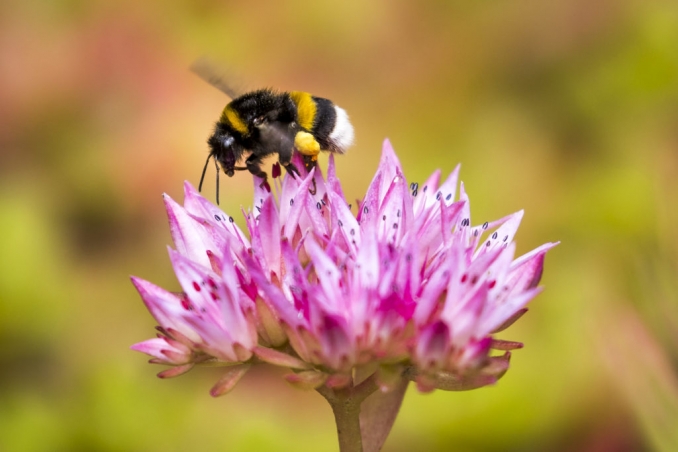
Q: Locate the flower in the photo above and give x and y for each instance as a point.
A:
(405, 288)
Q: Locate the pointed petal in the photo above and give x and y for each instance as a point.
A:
(433, 345)
(164, 351)
(307, 379)
(281, 359)
(270, 322)
(333, 183)
(269, 231)
(347, 223)
(503, 235)
(526, 271)
(338, 380)
(510, 321)
(392, 210)
(498, 344)
(228, 381)
(166, 307)
(175, 371)
(190, 237)
(272, 295)
(328, 275)
(389, 166)
(217, 315)
(337, 342)
(451, 382)
(505, 311)
(369, 208)
(448, 189)
(296, 208)
(426, 194)
(200, 208)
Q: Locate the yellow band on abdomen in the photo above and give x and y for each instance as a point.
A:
(306, 108)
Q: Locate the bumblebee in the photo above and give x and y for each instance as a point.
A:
(264, 122)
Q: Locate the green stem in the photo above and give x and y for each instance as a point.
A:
(345, 405)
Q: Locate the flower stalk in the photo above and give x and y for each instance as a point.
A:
(346, 403)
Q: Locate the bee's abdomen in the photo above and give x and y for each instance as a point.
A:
(328, 123)
(341, 135)
(324, 122)
(332, 128)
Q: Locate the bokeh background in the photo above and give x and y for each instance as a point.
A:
(566, 108)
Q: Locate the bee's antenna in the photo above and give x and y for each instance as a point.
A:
(216, 165)
(202, 178)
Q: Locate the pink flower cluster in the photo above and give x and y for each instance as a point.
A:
(405, 288)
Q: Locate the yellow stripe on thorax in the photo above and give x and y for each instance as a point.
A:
(232, 118)
(306, 108)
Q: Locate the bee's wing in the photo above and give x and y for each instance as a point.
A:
(207, 70)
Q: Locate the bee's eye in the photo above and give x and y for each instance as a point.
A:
(259, 120)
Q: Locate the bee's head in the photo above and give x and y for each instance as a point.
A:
(225, 151)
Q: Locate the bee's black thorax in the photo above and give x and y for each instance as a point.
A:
(257, 122)
(264, 103)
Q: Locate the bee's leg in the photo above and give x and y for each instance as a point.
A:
(292, 170)
(310, 162)
(253, 163)
(309, 148)
(285, 159)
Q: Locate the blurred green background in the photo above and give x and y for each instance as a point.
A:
(568, 109)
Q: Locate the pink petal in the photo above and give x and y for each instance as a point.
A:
(463, 316)
(269, 230)
(167, 308)
(333, 184)
(328, 275)
(217, 315)
(228, 381)
(336, 341)
(307, 380)
(526, 271)
(190, 237)
(448, 189)
(510, 321)
(433, 345)
(175, 371)
(347, 224)
(157, 347)
(502, 236)
(200, 208)
(392, 210)
(297, 208)
(368, 213)
(277, 358)
(503, 312)
(389, 167)
(426, 195)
